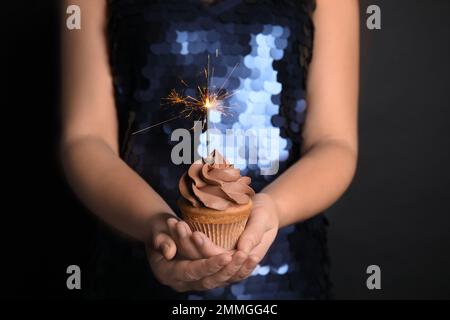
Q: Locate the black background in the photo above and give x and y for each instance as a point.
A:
(395, 215)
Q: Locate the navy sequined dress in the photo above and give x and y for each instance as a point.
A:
(266, 46)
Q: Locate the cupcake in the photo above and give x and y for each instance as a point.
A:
(216, 199)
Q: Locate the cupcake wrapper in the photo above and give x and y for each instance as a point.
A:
(223, 227)
(223, 235)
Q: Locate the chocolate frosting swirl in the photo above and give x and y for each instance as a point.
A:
(215, 184)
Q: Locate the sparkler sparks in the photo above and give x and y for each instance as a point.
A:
(208, 97)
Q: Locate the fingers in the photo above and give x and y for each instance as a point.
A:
(246, 269)
(181, 233)
(205, 246)
(165, 244)
(194, 245)
(172, 225)
(256, 255)
(186, 270)
(203, 274)
(189, 249)
(253, 232)
(223, 276)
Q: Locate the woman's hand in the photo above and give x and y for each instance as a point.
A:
(172, 236)
(259, 233)
(188, 261)
(160, 238)
(200, 264)
(186, 275)
(191, 245)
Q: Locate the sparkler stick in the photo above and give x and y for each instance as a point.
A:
(157, 124)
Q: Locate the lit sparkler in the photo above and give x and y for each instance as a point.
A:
(208, 98)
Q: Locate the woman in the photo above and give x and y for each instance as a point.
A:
(126, 58)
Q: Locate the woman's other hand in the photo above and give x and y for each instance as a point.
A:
(192, 245)
(259, 233)
(187, 261)
(252, 246)
(186, 275)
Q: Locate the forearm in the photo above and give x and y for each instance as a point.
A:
(109, 188)
(314, 183)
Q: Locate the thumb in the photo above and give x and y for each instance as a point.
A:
(165, 245)
(252, 235)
